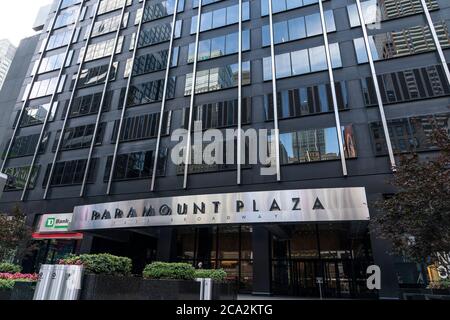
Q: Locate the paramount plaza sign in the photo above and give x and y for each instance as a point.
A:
(312, 205)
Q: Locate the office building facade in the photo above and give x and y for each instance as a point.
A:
(7, 52)
(343, 87)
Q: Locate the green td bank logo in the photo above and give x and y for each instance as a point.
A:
(61, 224)
(50, 223)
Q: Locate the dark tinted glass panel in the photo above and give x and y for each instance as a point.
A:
(80, 137)
(138, 165)
(219, 114)
(407, 85)
(408, 134)
(315, 145)
(26, 145)
(142, 127)
(70, 173)
(88, 104)
(305, 101)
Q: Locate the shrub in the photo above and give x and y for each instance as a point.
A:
(6, 284)
(439, 285)
(215, 274)
(175, 271)
(101, 263)
(10, 268)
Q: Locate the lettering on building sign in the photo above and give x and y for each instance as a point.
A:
(198, 208)
(275, 206)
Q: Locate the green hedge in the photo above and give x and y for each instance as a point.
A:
(173, 271)
(10, 268)
(215, 274)
(101, 263)
(6, 284)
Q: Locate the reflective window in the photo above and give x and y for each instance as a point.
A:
(88, 104)
(26, 145)
(306, 101)
(149, 92)
(138, 165)
(97, 75)
(70, 173)
(283, 5)
(315, 145)
(161, 9)
(221, 17)
(66, 17)
(408, 134)
(34, 115)
(218, 78)
(59, 39)
(68, 3)
(300, 62)
(154, 62)
(46, 87)
(283, 65)
(313, 25)
(17, 178)
(219, 114)
(376, 10)
(142, 127)
(79, 137)
(394, 44)
(111, 5)
(220, 46)
(158, 34)
(101, 49)
(407, 85)
(53, 62)
(298, 28)
(312, 60)
(109, 25)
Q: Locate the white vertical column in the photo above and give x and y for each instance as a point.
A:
(124, 105)
(164, 99)
(102, 101)
(274, 91)
(69, 106)
(191, 105)
(52, 100)
(436, 40)
(28, 94)
(376, 85)
(333, 89)
(239, 137)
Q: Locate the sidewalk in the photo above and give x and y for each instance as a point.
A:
(249, 297)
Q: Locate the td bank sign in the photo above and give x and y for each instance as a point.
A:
(51, 223)
(278, 206)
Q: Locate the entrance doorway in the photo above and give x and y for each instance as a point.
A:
(328, 259)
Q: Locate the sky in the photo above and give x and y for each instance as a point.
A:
(17, 18)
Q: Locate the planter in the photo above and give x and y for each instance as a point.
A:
(5, 294)
(441, 292)
(23, 291)
(102, 287)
